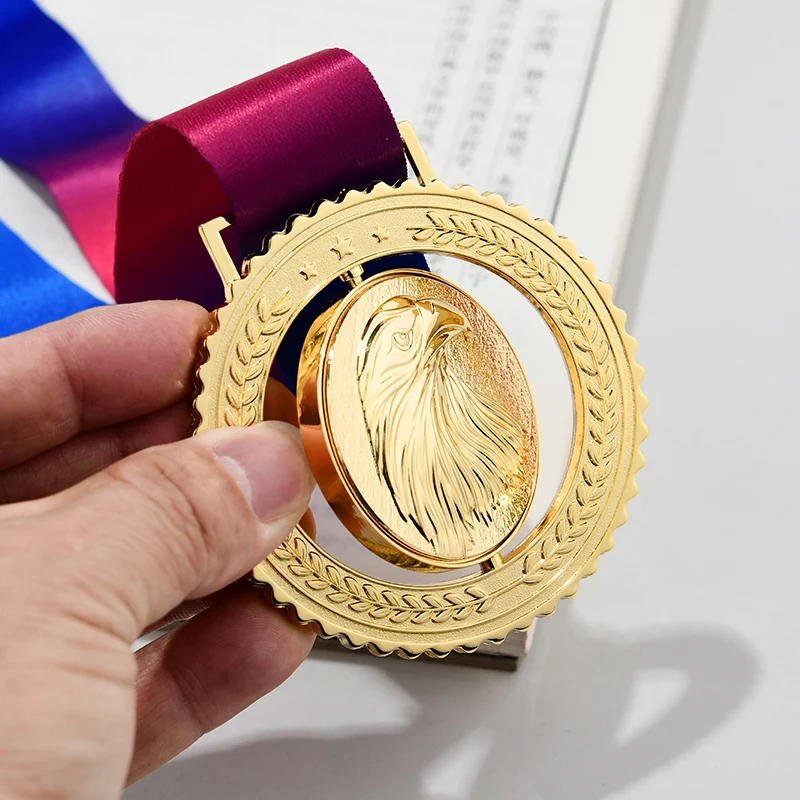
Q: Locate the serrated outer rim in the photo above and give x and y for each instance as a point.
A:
(294, 226)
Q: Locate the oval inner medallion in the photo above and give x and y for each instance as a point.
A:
(418, 422)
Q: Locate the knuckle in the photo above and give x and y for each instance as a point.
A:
(196, 699)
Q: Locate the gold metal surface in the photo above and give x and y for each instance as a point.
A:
(438, 470)
(211, 234)
(506, 593)
(416, 155)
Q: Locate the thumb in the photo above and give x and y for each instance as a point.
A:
(175, 522)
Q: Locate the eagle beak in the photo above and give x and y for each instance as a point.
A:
(448, 322)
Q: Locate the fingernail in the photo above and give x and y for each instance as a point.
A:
(269, 464)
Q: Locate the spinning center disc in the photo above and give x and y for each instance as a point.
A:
(418, 422)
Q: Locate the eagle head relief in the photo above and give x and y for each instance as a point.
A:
(448, 454)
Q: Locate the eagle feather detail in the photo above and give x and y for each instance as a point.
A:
(447, 453)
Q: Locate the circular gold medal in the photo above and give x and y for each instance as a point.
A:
(417, 419)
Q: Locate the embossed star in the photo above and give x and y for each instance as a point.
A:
(308, 271)
(381, 233)
(343, 247)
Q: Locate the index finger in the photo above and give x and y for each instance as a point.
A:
(98, 368)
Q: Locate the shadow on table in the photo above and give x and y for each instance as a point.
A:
(551, 731)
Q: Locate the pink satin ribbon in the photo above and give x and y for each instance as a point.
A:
(256, 154)
(61, 121)
(85, 187)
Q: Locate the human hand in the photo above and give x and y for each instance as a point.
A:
(108, 525)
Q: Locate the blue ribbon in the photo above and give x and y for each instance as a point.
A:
(53, 99)
(32, 292)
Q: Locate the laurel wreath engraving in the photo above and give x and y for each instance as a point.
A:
(378, 603)
(246, 370)
(543, 275)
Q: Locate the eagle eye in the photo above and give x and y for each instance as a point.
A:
(403, 339)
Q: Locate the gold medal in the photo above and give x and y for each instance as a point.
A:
(416, 417)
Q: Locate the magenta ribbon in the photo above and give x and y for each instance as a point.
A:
(256, 154)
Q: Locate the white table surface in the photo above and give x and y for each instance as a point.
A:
(676, 671)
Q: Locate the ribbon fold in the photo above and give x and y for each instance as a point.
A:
(256, 154)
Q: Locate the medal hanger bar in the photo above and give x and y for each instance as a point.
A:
(211, 231)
